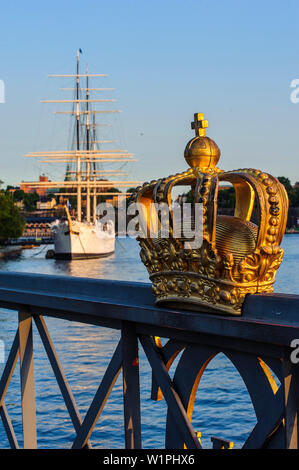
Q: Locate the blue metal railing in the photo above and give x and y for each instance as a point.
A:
(256, 342)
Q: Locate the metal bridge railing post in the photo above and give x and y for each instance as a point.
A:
(291, 401)
(131, 387)
(27, 381)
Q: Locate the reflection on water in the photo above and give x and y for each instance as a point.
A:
(84, 350)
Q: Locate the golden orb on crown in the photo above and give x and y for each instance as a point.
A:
(201, 151)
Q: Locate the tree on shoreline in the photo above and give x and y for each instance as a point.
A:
(227, 199)
(12, 223)
(292, 191)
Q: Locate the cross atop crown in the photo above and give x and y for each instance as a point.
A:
(199, 125)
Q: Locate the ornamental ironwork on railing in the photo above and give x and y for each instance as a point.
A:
(257, 343)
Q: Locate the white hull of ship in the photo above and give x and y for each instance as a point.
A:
(84, 240)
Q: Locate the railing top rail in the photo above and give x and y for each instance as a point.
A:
(267, 318)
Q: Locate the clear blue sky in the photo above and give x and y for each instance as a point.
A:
(233, 60)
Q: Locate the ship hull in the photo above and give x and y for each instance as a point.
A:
(70, 256)
(83, 241)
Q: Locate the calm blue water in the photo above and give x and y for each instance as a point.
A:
(222, 406)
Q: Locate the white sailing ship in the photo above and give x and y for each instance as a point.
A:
(84, 236)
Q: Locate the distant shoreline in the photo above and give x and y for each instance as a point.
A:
(8, 251)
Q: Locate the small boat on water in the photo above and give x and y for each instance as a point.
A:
(10, 251)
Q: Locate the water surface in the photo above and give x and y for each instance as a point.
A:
(222, 405)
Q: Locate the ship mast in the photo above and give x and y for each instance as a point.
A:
(79, 198)
(94, 197)
(88, 182)
(87, 148)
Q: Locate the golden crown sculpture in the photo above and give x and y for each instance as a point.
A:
(236, 257)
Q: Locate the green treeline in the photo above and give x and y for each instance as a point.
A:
(227, 198)
(29, 199)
